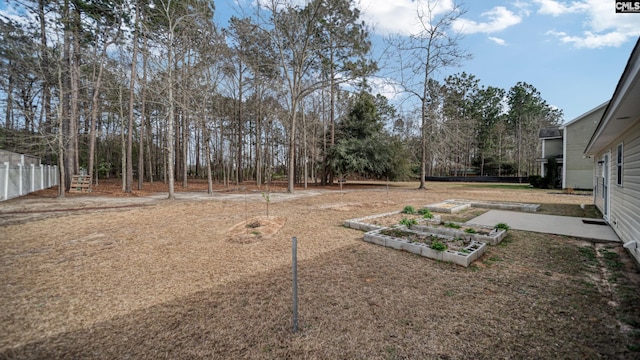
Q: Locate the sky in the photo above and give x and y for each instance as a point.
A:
(572, 52)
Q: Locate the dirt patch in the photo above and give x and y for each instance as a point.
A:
(255, 229)
(164, 281)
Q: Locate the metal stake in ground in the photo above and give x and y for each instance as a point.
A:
(294, 251)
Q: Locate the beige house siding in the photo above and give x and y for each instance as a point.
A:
(579, 179)
(620, 124)
(598, 184)
(550, 147)
(577, 168)
(624, 211)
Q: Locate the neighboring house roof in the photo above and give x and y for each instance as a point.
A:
(585, 114)
(550, 133)
(623, 109)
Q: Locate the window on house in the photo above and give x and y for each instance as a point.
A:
(619, 162)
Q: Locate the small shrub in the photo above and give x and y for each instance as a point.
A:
(470, 231)
(502, 226)
(253, 224)
(408, 222)
(535, 181)
(452, 225)
(409, 210)
(426, 213)
(438, 246)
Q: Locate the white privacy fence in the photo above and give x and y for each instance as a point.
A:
(20, 179)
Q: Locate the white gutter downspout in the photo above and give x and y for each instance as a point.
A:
(564, 157)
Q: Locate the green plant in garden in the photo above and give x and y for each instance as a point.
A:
(452, 225)
(409, 210)
(470, 231)
(502, 226)
(438, 246)
(408, 222)
(395, 233)
(426, 213)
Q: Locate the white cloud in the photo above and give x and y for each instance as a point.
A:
(399, 16)
(523, 7)
(498, 41)
(499, 18)
(385, 86)
(602, 17)
(557, 8)
(386, 17)
(602, 28)
(590, 40)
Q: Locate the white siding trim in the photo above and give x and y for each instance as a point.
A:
(565, 159)
(544, 157)
(606, 191)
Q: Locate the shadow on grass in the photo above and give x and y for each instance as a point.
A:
(529, 299)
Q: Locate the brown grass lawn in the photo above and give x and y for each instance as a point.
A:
(111, 277)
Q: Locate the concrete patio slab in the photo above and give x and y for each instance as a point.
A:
(548, 224)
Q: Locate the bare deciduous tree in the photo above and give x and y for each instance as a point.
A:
(433, 47)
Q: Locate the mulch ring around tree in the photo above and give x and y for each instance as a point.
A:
(255, 229)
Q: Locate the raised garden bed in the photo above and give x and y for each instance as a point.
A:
(492, 236)
(479, 233)
(379, 221)
(410, 231)
(444, 248)
(448, 207)
(498, 205)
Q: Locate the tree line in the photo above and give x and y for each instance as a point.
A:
(156, 90)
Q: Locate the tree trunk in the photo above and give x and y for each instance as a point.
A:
(143, 119)
(291, 175)
(170, 125)
(185, 147)
(197, 131)
(9, 108)
(207, 140)
(146, 117)
(132, 97)
(258, 142)
(423, 138)
(65, 94)
(304, 149)
(74, 118)
(239, 177)
(94, 118)
(46, 85)
(123, 143)
(62, 185)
